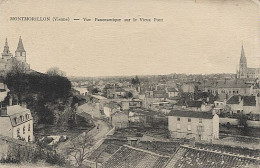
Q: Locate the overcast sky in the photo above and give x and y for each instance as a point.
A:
(202, 37)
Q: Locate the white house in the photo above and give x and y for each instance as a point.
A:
(193, 124)
(16, 122)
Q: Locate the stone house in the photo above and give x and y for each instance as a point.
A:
(191, 124)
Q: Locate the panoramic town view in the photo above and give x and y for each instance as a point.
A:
(177, 86)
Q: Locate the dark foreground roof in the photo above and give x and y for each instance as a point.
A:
(191, 157)
(131, 157)
(192, 114)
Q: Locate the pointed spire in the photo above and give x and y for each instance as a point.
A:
(6, 47)
(6, 43)
(242, 51)
(20, 46)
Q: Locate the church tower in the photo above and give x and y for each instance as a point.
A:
(20, 53)
(6, 55)
(242, 73)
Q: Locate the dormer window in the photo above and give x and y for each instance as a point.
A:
(15, 120)
(22, 118)
(27, 116)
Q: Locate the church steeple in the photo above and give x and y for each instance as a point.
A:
(20, 47)
(20, 53)
(242, 64)
(6, 55)
(6, 47)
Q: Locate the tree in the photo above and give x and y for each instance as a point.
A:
(55, 71)
(135, 81)
(242, 122)
(81, 148)
(129, 95)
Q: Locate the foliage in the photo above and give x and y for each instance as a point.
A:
(129, 95)
(242, 122)
(55, 71)
(38, 91)
(80, 149)
(135, 81)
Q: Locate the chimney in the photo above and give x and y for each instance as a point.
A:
(24, 105)
(3, 112)
(10, 101)
(239, 98)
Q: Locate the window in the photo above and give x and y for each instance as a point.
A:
(200, 128)
(15, 120)
(18, 132)
(189, 128)
(29, 127)
(22, 118)
(189, 119)
(178, 119)
(29, 138)
(23, 129)
(200, 120)
(27, 116)
(178, 126)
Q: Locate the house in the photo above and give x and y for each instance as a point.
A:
(188, 88)
(172, 92)
(16, 122)
(110, 108)
(82, 91)
(244, 104)
(119, 120)
(229, 87)
(192, 124)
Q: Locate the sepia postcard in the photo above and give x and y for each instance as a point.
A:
(130, 83)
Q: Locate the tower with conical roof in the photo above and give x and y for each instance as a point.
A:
(6, 55)
(242, 73)
(20, 53)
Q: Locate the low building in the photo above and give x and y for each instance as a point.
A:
(16, 122)
(172, 92)
(119, 120)
(110, 108)
(192, 124)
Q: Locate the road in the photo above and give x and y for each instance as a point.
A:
(98, 133)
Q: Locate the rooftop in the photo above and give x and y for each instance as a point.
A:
(191, 114)
(128, 156)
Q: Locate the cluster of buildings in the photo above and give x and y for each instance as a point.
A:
(194, 108)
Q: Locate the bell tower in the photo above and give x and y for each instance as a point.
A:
(20, 53)
(6, 55)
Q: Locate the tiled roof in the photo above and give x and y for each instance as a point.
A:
(247, 100)
(172, 90)
(194, 104)
(192, 157)
(191, 114)
(132, 157)
(233, 100)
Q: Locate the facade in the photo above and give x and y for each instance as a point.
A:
(190, 124)
(229, 87)
(17, 122)
(8, 60)
(244, 71)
